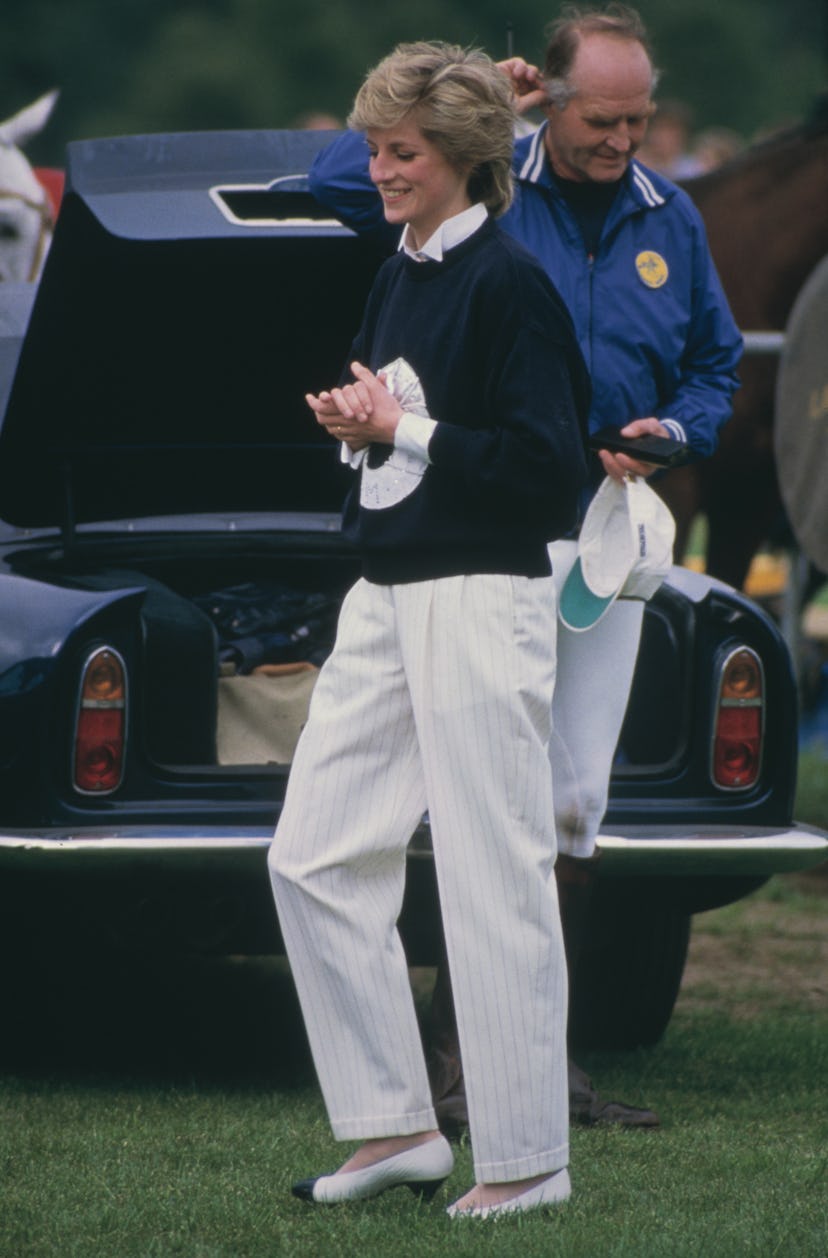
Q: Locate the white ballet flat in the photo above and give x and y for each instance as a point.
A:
(421, 1168)
(549, 1192)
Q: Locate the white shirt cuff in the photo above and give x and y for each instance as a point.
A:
(413, 435)
(352, 457)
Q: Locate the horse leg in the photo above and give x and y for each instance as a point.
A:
(741, 515)
(680, 489)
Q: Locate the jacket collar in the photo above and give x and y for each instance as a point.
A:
(646, 188)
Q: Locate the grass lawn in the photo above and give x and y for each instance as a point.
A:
(154, 1140)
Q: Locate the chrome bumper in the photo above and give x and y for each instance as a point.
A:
(728, 850)
(207, 849)
(661, 850)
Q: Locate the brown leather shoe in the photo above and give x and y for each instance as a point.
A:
(445, 1069)
(452, 1113)
(588, 1109)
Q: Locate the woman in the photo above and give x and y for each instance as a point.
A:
(465, 418)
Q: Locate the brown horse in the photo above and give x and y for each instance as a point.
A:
(766, 213)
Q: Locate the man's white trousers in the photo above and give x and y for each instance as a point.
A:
(595, 673)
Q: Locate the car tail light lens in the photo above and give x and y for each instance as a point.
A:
(100, 728)
(740, 721)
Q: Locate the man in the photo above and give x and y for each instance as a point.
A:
(628, 253)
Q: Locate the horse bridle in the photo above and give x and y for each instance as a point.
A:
(47, 222)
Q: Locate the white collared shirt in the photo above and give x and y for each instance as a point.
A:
(452, 231)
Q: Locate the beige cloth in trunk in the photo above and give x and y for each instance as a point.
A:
(261, 716)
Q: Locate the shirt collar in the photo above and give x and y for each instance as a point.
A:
(450, 233)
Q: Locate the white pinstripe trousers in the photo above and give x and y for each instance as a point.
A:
(437, 695)
(595, 673)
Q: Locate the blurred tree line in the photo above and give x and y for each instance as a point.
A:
(177, 65)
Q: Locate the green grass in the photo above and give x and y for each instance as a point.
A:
(811, 804)
(739, 1168)
(195, 1157)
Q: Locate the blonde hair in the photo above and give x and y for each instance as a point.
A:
(460, 101)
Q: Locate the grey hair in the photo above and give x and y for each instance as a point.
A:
(564, 38)
(462, 103)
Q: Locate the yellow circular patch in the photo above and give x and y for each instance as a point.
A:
(652, 269)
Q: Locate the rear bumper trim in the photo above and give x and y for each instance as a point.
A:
(203, 848)
(726, 851)
(644, 850)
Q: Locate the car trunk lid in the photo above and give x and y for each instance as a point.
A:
(189, 397)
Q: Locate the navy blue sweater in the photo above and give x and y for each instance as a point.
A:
(493, 348)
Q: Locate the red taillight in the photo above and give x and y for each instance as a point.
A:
(100, 729)
(740, 718)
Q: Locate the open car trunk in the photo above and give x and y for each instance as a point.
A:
(231, 644)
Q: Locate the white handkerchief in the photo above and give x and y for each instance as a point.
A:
(401, 472)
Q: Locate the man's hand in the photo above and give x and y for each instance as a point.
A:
(358, 413)
(620, 465)
(527, 84)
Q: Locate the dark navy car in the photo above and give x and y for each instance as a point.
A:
(170, 569)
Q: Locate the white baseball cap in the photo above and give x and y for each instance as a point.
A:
(625, 550)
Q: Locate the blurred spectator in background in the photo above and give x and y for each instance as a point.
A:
(667, 144)
(671, 147)
(318, 120)
(714, 146)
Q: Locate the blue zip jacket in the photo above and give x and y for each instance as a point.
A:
(650, 315)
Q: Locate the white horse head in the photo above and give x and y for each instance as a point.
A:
(26, 219)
